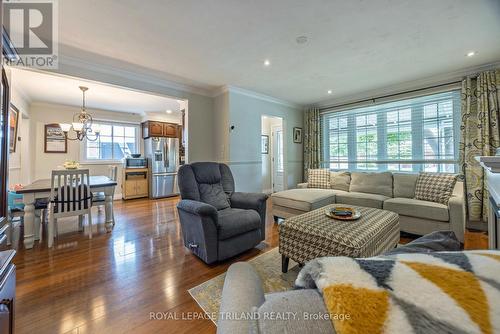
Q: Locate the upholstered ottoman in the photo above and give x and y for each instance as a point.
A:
(313, 234)
(294, 202)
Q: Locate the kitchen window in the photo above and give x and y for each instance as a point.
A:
(418, 134)
(116, 141)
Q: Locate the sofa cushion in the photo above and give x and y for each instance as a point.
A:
(418, 208)
(372, 183)
(214, 195)
(233, 222)
(435, 187)
(340, 180)
(404, 184)
(304, 199)
(301, 305)
(361, 199)
(318, 178)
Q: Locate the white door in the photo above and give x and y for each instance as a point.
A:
(278, 172)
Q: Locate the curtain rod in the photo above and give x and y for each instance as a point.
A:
(386, 96)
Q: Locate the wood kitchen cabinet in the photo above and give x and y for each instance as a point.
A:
(159, 129)
(135, 183)
(170, 130)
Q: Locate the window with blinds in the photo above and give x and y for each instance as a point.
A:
(418, 134)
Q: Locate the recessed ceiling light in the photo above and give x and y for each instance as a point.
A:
(330, 91)
(169, 111)
(301, 39)
(471, 53)
(267, 62)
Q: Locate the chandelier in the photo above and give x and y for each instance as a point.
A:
(82, 124)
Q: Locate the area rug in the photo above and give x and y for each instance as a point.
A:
(268, 266)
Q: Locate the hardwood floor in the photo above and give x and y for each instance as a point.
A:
(112, 283)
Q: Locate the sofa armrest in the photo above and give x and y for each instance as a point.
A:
(456, 208)
(197, 208)
(302, 185)
(241, 294)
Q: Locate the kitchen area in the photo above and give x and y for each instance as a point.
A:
(153, 174)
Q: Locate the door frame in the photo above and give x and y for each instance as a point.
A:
(271, 150)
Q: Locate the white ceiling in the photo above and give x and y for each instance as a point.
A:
(353, 46)
(43, 87)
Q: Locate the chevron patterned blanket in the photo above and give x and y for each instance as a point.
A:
(440, 292)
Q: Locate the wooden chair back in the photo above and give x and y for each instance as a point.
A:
(70, 192)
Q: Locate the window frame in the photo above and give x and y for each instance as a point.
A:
(416, 122)
(83, 146)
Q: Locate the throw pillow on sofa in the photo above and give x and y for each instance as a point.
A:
(435, 187)
(340, 180)
(318, 178)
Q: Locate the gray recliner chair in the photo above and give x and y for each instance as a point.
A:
(217, 222)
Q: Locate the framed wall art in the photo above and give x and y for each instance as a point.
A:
(297, 135)
(55, 140)
(13, 125)
(264, 144)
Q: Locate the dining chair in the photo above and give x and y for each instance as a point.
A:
(99, 198)
(70, 196)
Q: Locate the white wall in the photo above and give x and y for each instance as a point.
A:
(20, 161)
(241, 148)
(45, 113)
(221, 127)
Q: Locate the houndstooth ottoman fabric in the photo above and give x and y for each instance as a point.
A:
(313, 234)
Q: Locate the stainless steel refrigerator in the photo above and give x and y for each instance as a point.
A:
(163, 163)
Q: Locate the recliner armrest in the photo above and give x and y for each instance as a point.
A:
(247, 200)
(197, 208)
(252, 201)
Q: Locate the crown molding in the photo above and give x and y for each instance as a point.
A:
(134, 76)
(409, 85)
(255, 95)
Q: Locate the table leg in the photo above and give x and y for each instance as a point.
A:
(108, 209)
(29, 220)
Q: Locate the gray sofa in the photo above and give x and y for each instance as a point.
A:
(217, 222)
(390, 191)
(246, 309)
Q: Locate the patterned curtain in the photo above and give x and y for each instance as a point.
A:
(312, 140)
(479, 136)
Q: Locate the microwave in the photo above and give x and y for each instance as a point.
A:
(136, 163)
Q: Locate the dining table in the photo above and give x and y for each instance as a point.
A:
(41, 189)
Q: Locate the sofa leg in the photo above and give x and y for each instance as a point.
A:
(284, 264)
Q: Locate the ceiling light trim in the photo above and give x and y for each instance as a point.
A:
(408, 85)
(258, 96)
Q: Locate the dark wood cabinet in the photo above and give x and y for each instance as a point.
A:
(4, 153)
(159, 129)
(170, 130)
(155, 129)
(7, 291)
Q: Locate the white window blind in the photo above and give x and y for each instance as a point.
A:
(418, 134)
